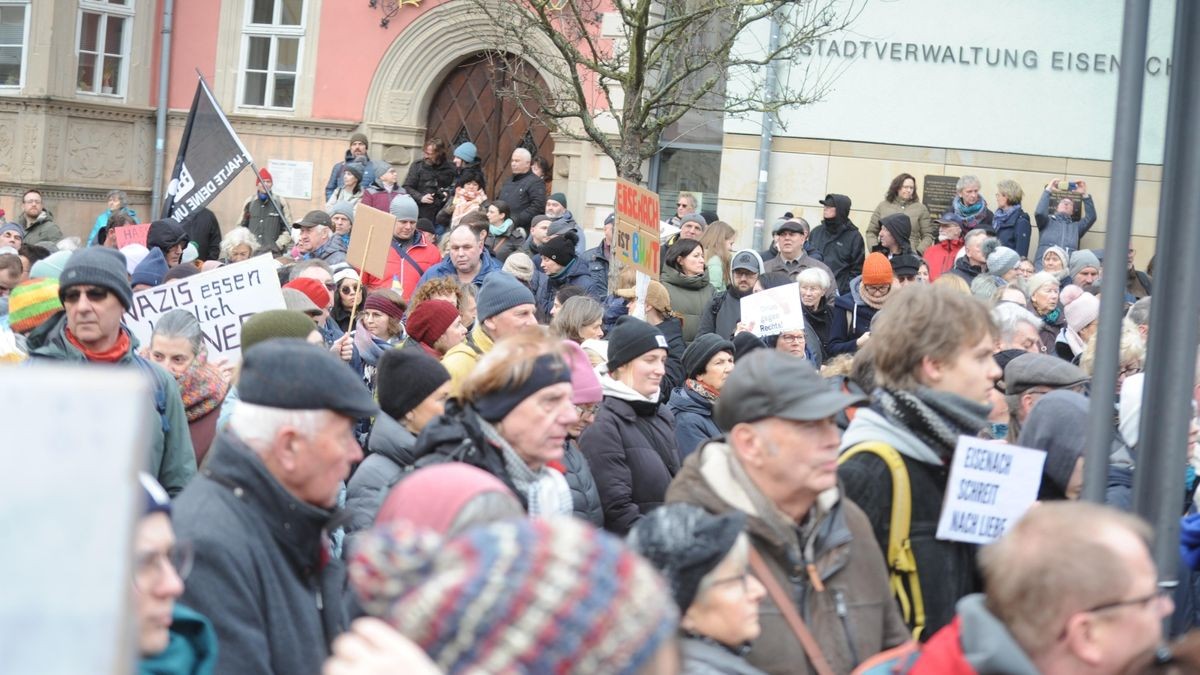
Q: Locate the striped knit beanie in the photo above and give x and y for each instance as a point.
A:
(523, 596)
(31, 303)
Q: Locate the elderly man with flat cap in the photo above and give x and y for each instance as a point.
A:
(790, 236)
(259, 512)
(95, 293)
(1029, 377)
(777, 463)
(316, 241)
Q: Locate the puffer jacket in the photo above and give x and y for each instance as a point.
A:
(693, 420)
(851, 319)
(391, 454)
(965, 270)
(853, 616)
(423, 179)
(510, 242)
(946, 569)
(924, 232)
(546, 286)
(838, 243)
(941, 256)
(401, 274)
(1059, 230)
(584, 493)
(689, 295)
(631, 450)
(43, 231)
(456, 436)
(818, 329)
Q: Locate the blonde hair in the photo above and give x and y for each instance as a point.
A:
(953, 282)
(713, 242)
(1011, 190)
(509, 364)
(435, 288)
(1133, 350)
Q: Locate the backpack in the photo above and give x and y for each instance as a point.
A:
(902, 563)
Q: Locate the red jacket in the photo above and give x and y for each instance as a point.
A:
(400, 274)
(943, 654)
(380, 200)
(941, 256)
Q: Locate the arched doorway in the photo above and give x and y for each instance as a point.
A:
(467, 107)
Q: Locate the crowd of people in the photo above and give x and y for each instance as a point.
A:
(505, 455)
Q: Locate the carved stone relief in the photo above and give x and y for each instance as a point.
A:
(8, 137)
(99, 152)
(54, 137)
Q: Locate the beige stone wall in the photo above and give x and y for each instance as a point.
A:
(804, 170)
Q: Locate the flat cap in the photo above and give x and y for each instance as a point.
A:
(291, 374)
(797, 225)
(767, 383)
(1041, 370)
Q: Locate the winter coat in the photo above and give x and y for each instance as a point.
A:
(445, 268)
(818, 329)
(1050, 330)
(43, 231)
(964, 269)
(1013, 229)
(1059, 230)
(946, 569)
(343, 195)
(851, 320)
(335, 175)
(389, 456)
(546, 286)
(693, 420)
(941, 256)
(567, 222)
(689, 295)
(584, 493)
(976, 642)
(596, 262)
(701, 657)
(462, 357)
(924, 232)
(525, 195)
(510, 242)
(402, 274)
(838, 243)
(171, 458)
(102, 222)
(672, 329)
(456, 436)
(204, 230)
(853, 617)
(982, 218)
(191, 647)
(794, 267)
(262, 573)
(632, 452)
(722, 313)
(266, 222)
(379, 197)
(423, 179)
(332, 251)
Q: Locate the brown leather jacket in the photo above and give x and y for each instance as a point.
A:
(854, 617)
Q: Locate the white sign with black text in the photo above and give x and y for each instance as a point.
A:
(992, 484)
(773, 311)
(291, 178)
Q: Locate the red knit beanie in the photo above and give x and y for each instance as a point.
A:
(312, 288)
(430, 320)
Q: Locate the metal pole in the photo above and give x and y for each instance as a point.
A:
(160, 122)
(1116, 249)
(1167, 402)
(764, 148)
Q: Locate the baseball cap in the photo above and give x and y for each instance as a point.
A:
(314, 218)
(746, 260)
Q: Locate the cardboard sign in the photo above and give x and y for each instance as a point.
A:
(370, 240)
(74, 501)
(291, 178)
(221, 299)
(992, 484)
(635, 241)
(774, 311)
(131, 234)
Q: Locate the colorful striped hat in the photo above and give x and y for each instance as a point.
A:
(550, 595)
(31, 303)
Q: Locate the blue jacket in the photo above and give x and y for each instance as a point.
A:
(1013, 229)
(851, 319)
(332, 251)
(446, 269)
(335, 176)
(102, 222)
(546, 286)
(1059, 230)
(693, 420)
(596, 260)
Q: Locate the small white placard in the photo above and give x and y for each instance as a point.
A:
(773, 311)
(291, 178)
(992, 484)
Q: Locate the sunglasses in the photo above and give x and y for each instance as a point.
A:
(94, 294)
(349, 290)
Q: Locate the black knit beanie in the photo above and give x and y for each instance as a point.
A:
(560, 248)
(701, 351)
(631, 338)
(404, 378)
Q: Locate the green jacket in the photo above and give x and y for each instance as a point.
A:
(171, 460)
(192, 649)
(689, 295)
(43, 231)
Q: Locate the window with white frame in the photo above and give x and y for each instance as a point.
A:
(271, 44)
(14, 33)
(103, 47)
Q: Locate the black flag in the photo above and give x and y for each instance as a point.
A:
(210, 156)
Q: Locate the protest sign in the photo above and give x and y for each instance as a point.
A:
(991, 486)
(370, 240)
(773, 311)
(131, 234)
(72, 494)
(291, 178)
(635, 241)
(221, 299)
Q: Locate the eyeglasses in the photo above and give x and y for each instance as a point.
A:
(796, 338)
(1143, 601)
(94, 294)
(148, 568)
(1126, 371)
(743, 579)
(586, 410)
(682, 206)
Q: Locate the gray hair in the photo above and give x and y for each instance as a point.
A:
(739, 552)
(238, 236)
(258, 425)
(574, 315)
(299, 268)
(1008, 316)
(528, 155)
(966, 181)
(974, 234)
(1139, 313)
(814, 276)
(120, 195)
(180, 323)
(986, 287)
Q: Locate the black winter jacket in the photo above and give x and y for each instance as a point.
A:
(632, 453)
(722, 313)
(584, 493)
(424, 179)
(838, 243)
(526, 197)
(391, 455)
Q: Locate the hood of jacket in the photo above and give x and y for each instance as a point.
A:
(986, 643)
(900, 226)
(576, 273)
(622, 391)
(854, 297)
(50, 340)
(869, 425)
(192, 646)
(963, 264)
(391, 439)
(842, 204)
(674, 277)
(684, 400)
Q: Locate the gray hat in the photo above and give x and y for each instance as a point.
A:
(97, 266)
(403, 207)
(747, 259)
(291, 374)
(1081, 260)
(500, 292)
(684, 543)
(344, 208)
(1041, 370)
(1053, 425)
(560, 225)
(701, 351)
(693, 218)
(12, 227)
(767, 383)
(313, 219)
(1002, 261)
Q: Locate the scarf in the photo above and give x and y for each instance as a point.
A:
(564, 272)
(936, 418)
(110, 355)
(202, 389)
(499, 231)
(968, 212)
(702, 390)
(545, 490)
(1053, 316)
(872, 302)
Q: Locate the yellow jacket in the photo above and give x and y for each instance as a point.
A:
(461, 358)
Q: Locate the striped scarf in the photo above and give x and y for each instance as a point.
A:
(936, 418)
